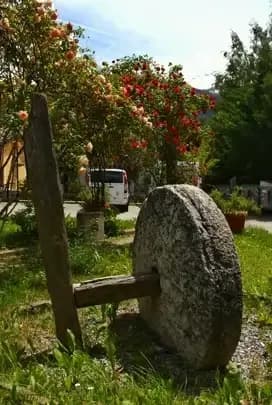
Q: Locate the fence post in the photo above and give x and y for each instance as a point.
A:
(45, 185)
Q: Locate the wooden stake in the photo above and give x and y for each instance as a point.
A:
(47, 199)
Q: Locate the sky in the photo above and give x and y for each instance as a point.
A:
(193, 33)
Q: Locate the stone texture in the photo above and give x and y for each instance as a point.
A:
(92, 223)
(182, 234)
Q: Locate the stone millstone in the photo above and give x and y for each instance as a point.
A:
(181, 234)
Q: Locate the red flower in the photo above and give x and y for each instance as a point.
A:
(139, 89)
(195, 125)
(193, 91)
(212, 102)
(127, 79)
(182, 148)
(212, 105)
(155, 82)
(70, 55)
(173, 130)
(69, 27)
(126, 92)
(177, 89)
(162, 124)
(134, 144)
(176, 140)
(54, 16)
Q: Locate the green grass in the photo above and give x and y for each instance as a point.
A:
(122, 364)
(78, 379)
(8, 234)
(13, 234)
(254, 247)
(102, 260)
(126, 224)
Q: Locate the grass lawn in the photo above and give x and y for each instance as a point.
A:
(123, 364)
(255, 251)
(254, 247)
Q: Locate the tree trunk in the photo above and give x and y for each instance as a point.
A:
(46, 194)
(171, 164)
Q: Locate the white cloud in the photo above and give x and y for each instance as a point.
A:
(191, 32)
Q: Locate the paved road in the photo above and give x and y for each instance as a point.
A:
(72, 209)
(264, 222)
(132, 213)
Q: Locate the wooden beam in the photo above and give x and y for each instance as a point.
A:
(116, 289)
(43, 175)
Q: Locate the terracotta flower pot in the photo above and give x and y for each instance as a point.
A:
(236, 221)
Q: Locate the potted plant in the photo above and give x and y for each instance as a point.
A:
(236, 207)
(90, 219)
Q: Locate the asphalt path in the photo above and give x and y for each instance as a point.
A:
(71, 209)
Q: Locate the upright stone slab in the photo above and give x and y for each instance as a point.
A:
(181, 234)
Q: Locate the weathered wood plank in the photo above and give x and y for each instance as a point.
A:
(116, 289)
(44, 180)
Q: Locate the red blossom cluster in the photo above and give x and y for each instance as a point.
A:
(135, 144)
(212, 102)
(167, 103)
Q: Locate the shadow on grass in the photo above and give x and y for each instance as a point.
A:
(20, 275)
(139, 348)
(16, 239)
(120, 243)
(139, 352)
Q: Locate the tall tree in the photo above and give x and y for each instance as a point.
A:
(243, 116)
(40, 53)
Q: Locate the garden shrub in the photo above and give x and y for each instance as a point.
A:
(27, 222)
(112, 225)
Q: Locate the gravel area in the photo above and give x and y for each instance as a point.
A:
(251, 355)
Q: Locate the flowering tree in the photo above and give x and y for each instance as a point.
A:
(33, 47)
(39, 53)
(170, 109)
(133, 108)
